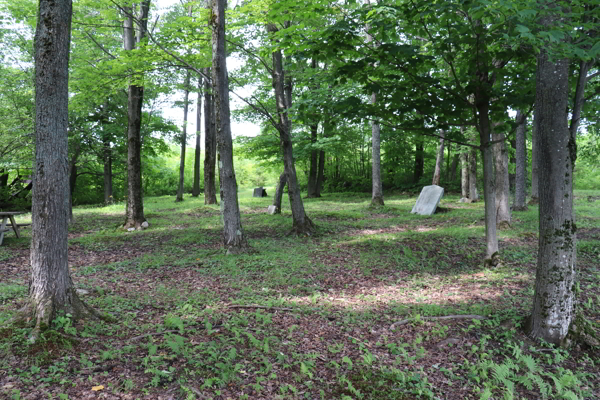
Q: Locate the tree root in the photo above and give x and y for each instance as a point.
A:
(493, 261)
(40, 316)
(583, 331)
(308, 228)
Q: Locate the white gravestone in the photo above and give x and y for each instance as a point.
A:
(428, 200)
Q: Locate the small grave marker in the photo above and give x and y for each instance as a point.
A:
(428, 200)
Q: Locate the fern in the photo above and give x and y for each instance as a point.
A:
(530, 363)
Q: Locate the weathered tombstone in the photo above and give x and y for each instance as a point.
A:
(428, 200)
(272, 210)
(259, 192)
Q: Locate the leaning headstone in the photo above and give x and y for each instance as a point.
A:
(271, 209)
(259, 192)
(428, 200)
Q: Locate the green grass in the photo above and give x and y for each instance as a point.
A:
(188, 325)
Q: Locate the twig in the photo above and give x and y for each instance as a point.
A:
(262, 307)
(407, 320)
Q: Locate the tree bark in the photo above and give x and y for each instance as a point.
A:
(51, 289)
(134, 213)
(534, 165)
(503, 216)
(454, 167)
(464, 175)
(233, 234)
(196, 187)
(279, 192)
(554, 299)
(312, 174)
(377, 190)
(439, 161)
(210, 145)
(73, 178)
(301, 223)
(186, 97)
(320, 172)
(107, 170)
(520, 164)
(473, 195)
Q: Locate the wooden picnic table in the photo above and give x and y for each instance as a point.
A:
(6, 215)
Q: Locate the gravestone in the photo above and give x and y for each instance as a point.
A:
(272, 210)
(428, 200)
(259, 192)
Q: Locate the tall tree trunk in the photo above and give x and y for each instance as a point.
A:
(107, 170)
(186, 97)
(279, 192)
(419, 159)
(312, 174)
(503, 216)
(376, 183)
(320, 172)
(454, 167)
(73, 178)
(210, 145)
(377, 187)
(520, 164)
(50, 287)
(489, 190)
(196, 187)
(439, 161)
(464, 174)
(301, 223)
(534, 165)
(554, 299)
(134, 213)
(473, 195)
(233, 234)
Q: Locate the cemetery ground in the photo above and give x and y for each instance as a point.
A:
(345, 314)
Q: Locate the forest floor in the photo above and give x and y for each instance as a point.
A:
(300, 317)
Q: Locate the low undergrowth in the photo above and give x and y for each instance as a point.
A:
(299, 317)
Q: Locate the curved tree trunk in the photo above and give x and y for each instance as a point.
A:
(50, 287)
(439, 161)
(301, 223)
(233, 234)
(279, 192)
(134, 212)
(520, 165)
(210, 145)
(503, 216)
(186, 97)
(196, 187)
(554, 299)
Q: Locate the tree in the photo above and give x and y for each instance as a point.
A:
(439, 161)
(186, 96)
(283, 95)
(503, 215)
(554, 298)
(134, 212)
(196, 188)
(51, 289)
(520, 164)
(210, 144)
(233, 234)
